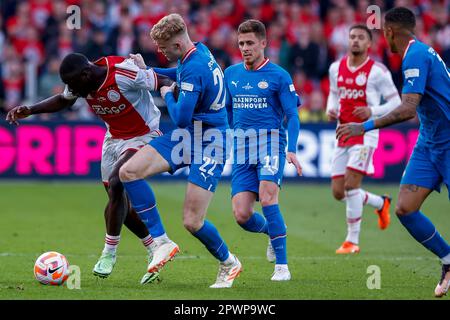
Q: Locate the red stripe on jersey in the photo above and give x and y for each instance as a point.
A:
(261, 65)
(128, 75)
(129, 72)
(406, 50)
(359, 171)
(188, 53)
(156, 79)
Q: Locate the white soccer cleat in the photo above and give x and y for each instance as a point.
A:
(281, 273)
(227, 274)
(444, 284)
(270, 253)
(165, 252)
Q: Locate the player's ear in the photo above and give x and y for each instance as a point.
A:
(264, 43)
(86, 74)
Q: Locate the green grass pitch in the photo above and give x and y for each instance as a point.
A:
(68, 218)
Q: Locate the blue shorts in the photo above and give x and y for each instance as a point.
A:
(246, 177)
(205, 160)
(428, 168)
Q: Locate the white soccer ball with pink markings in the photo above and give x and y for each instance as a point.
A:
(51, 268)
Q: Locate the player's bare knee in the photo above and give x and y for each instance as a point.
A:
(350, 186)
(403, 209)
(338, 194)
(242, 215)
(127, 174)
(115, 189)
(268, 199)
(191, 224)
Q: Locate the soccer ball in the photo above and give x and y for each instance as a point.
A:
(51, 268)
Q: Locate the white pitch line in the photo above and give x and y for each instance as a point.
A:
(300, 258)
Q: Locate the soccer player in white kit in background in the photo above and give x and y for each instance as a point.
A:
(357, 84)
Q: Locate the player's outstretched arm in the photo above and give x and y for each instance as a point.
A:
(170, 73)
(404, 112)
(50, 105)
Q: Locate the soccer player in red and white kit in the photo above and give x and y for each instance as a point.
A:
(356, 85)
(119, 93)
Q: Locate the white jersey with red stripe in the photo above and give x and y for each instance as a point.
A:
(361, 86)
(123, 101)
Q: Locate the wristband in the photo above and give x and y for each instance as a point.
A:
(369, 125)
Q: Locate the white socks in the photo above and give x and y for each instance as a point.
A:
(111, 243)
(446, 259)
(372, 200)
(354, 208)
(230, 260)
(148, 243)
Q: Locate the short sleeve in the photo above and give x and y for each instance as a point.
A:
(415, 72)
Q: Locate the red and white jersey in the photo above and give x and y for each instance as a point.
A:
(124, 101)
(361, 86)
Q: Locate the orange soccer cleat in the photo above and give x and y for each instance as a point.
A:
(384, 217)
(347, 248)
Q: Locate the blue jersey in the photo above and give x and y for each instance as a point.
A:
(425, 73)
(261, 98)
(199, 72)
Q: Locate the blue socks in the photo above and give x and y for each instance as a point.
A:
(210, 237)
(423, 230)
(277, 232)
(143, 201)
(257, 223)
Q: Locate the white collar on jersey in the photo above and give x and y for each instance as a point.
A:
(407, 48)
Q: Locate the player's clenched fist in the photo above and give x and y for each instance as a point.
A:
(138, 60)
(165, 89)
(364, 113)
(17, 113)
(348, 130)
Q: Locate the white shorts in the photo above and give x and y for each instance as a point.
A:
(358, 158)
(113, 148)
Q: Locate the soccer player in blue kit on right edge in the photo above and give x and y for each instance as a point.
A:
(259, 96)
(426, 89)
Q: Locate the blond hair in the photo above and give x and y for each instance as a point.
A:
(168, 27)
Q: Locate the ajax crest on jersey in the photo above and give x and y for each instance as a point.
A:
(113, 95)
(51, 268)
(361, 79)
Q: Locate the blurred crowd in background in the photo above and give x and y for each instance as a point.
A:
(304, 37)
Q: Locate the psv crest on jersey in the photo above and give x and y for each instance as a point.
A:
(263, 84)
